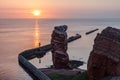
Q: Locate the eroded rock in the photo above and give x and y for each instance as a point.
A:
(59, 48)
(104, 59)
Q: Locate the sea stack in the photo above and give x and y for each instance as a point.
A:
(104, 59)
(59, 48)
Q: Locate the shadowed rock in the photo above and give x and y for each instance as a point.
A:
(104, 59)
(59, 48)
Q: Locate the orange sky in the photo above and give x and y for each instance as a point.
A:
(60, 9)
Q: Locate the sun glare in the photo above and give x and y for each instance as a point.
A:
(36, 12)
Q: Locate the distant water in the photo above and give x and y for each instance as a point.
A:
(17, 35)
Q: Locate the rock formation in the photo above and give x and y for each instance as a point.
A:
(59, 48)
(104, 59)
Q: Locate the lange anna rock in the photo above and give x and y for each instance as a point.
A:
(59, 48)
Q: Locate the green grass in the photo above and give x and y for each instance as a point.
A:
(81, 76)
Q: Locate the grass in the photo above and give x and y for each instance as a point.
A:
(81, 76)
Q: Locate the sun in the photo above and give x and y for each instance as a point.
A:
(36, 12)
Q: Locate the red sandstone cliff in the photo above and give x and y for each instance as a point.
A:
(104, 59)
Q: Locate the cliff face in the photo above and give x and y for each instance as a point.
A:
(104, 59)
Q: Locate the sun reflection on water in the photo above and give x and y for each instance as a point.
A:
(36, 34)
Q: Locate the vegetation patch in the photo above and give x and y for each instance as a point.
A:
(80, 76)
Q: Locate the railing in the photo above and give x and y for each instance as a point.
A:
(40, 51)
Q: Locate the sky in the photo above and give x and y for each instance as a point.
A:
(60, 8)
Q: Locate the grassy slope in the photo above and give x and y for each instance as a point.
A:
(81, 76)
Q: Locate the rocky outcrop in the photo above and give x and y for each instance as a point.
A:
(59, 48)
(104, 59)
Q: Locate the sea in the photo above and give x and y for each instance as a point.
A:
(17, 35)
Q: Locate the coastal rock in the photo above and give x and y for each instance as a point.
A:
(59, 48)
(104, 59)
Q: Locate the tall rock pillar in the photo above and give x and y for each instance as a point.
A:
(59, 48)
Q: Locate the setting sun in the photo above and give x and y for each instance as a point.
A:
(36, 12)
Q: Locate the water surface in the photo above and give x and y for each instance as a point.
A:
(17, 35)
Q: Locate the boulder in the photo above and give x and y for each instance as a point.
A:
(104, 59)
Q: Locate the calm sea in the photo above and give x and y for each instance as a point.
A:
(17, 35)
